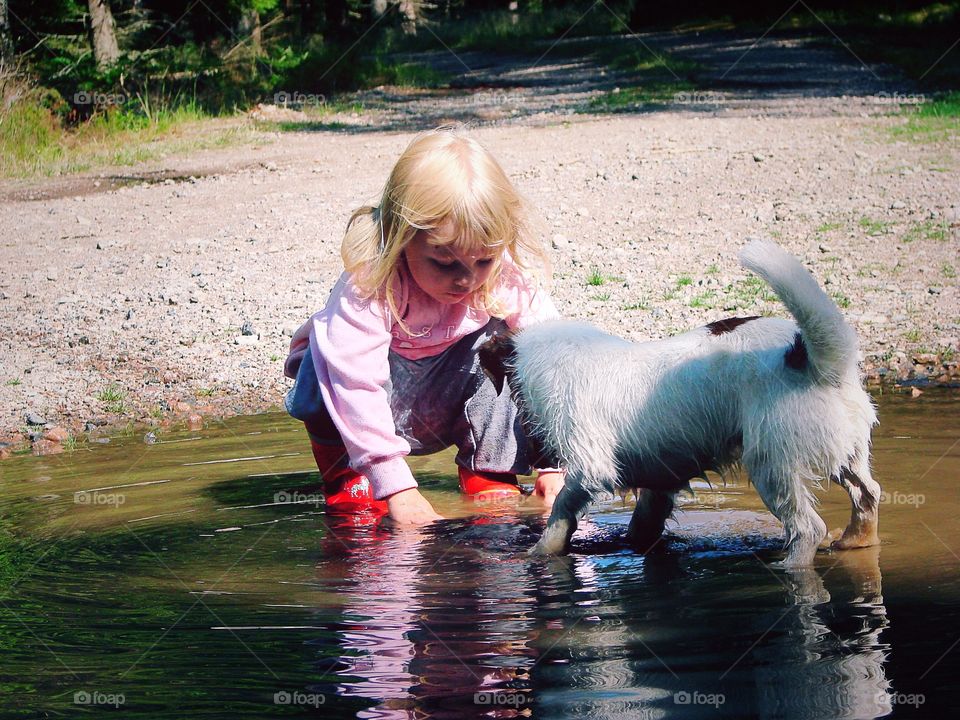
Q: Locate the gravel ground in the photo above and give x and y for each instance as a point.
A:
(174, 300)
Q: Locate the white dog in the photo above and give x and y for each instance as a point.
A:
(782, 398)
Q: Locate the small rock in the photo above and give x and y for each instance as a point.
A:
(35, 419)
(4, 452)
(195, 422)
(758, 158)
(560, 242)
(52, 274)
(47, 447)
(289, 330)
(150, 438)
(824, 248)
(934, 290)
(926, 358)
(246, 340)
(247, 328)
(56, 434)
(897, 205)
(271, 166)
(181, 407)
(916, 392)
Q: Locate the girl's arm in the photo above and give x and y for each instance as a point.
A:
(350, 341)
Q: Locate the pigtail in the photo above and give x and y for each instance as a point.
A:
(360, 249)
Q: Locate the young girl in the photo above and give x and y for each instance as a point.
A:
(389, 367)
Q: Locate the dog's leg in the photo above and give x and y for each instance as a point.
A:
(569, 505)
(786, 496)
(864, 494)
(649, 516)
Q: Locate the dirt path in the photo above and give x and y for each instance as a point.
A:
(162, 299)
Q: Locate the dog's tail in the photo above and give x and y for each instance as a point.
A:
(826, 346)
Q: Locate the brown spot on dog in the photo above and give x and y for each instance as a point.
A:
(719, 327)
(495, 356)
(796, 357)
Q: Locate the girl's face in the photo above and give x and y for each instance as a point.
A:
(442, 269)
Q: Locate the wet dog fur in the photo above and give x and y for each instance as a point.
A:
(783, 398)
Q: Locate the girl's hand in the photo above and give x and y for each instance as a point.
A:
(548, 486)
(409, 507)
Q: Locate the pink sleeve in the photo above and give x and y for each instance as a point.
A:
(349, 344)
(527, 301)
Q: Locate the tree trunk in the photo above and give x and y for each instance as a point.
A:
(103, 37)
(409, 11)
(6, 42)
(250, 25)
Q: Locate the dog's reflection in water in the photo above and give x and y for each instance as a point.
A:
(688, 639)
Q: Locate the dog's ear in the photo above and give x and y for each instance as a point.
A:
(495, 355)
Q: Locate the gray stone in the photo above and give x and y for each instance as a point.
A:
(34, 418)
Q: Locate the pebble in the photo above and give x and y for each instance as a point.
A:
(35, 418)
(247, 328)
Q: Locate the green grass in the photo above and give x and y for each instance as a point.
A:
(841, 300)
(13, 382)
(705, 300)
(937, 230)
(914, 335)
(601, 297)
(948, 270)
(113, 398)
(872, 226)
(684, 281)
(206, 392)
(596, 278)
(932, 121)
(34, 141)
(639, 305)
(829, 227)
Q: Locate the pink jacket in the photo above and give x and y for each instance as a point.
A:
(349, 340)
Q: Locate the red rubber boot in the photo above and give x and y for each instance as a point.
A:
(345, 490)
(488, 485)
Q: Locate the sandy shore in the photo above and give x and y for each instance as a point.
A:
(158, 302)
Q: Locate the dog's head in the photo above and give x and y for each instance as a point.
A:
(497, 358)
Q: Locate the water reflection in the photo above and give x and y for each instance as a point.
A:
(458, 622)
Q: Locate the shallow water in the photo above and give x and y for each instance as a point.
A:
(197, 577)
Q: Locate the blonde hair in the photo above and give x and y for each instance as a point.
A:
(442, 174)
